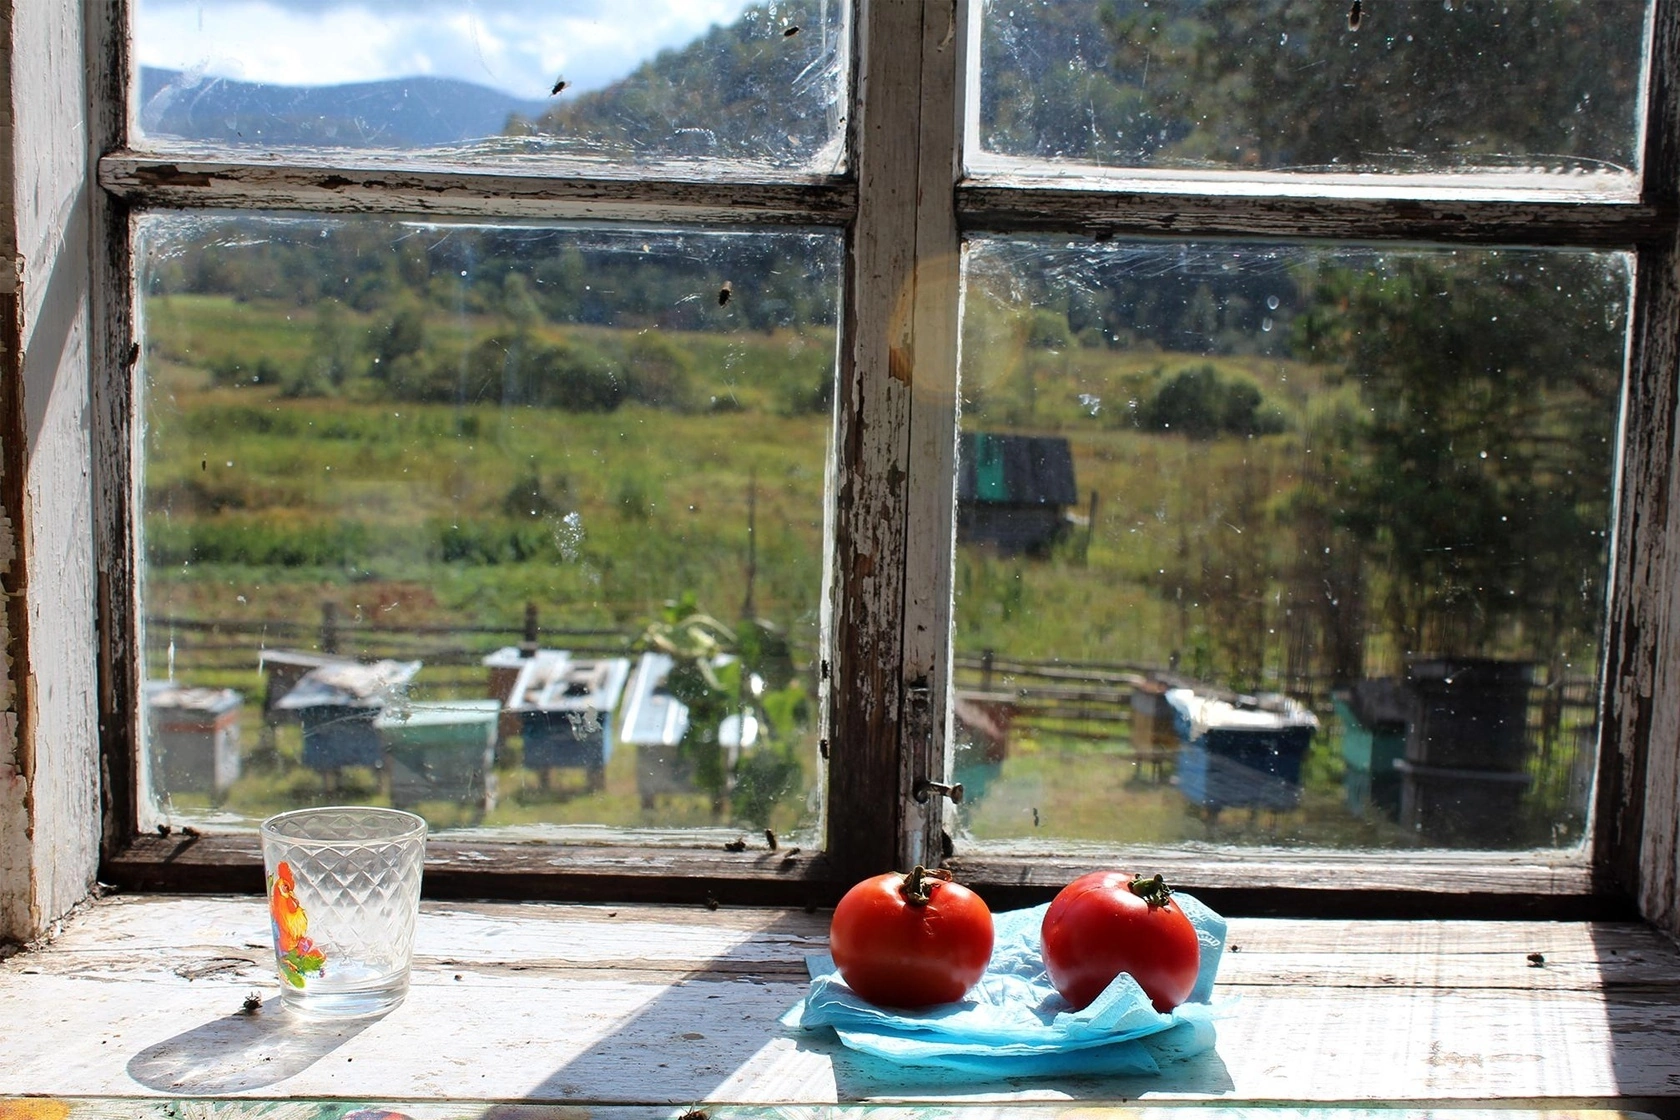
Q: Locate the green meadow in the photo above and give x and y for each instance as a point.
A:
(262, 501)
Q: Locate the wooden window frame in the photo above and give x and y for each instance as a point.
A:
(905, 207)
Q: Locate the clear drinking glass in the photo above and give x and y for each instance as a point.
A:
(343, 895)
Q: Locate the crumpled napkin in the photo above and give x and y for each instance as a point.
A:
(1014, 1023)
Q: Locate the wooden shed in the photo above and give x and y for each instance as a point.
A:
(1013, 491)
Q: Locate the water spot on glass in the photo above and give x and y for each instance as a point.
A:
(568, 536)
(1272, 302)
(1266, 323)
(1283, 40)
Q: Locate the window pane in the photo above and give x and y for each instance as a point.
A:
(385, 461)
(1548, 86)
(498, 79)
(1353, 502)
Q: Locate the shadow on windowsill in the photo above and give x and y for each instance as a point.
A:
(241, 1052)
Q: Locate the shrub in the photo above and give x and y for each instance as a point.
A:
(1201, 404)
(657, 373)
(1048, 330)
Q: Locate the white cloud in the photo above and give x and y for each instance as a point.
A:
(519, 46)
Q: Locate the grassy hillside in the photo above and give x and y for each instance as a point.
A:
(1206, 552)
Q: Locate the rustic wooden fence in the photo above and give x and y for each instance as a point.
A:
(1052, 699)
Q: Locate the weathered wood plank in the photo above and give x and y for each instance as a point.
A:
(868, 821)
(1659, 844)
(469, 869)
(142, 997)
(683, 193)
(142, 923)
(126, 937)
(1638, 809)
(930, 527)
(1379, 209)
(114, 1108)
(1311, 883)
(49, 745)
(113, 362)
(1320, 883)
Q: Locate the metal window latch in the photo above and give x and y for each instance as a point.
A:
(926, 787)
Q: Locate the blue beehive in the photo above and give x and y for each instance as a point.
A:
(337, 705)
(565, 707)
(1244, 754)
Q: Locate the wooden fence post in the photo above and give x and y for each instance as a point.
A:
(529, 646)
(329, 626)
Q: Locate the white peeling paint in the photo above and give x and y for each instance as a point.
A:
(49, 763)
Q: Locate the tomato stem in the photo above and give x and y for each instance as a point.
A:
(916, 888)
(1153, 891)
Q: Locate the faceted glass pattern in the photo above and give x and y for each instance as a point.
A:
(343, 894)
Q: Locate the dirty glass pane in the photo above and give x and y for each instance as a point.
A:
(520, 527)
(1545, 86)
(499, 79)
(1283, 544)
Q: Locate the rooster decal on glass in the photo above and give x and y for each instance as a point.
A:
(299, 956)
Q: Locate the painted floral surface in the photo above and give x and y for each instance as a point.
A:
(299, 956)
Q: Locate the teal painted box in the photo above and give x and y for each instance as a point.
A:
(1374, 716)
(443, 750)
(1372, 750)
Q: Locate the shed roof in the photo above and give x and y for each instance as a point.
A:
(1015, 470)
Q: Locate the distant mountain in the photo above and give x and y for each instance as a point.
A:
(416, 112)
(764, 88)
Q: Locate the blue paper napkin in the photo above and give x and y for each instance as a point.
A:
(1013, 1023)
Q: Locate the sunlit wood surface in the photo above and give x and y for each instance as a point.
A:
(673, 1006)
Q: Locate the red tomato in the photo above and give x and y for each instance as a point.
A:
(911, 941)
(1106, 923)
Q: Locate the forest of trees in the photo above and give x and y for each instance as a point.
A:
(1289, 84)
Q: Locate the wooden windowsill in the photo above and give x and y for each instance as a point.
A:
(671, 1006)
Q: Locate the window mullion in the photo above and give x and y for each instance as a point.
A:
(566, 190)
(868, 823)
(930, 532)
(1636, 833)
(113, 362)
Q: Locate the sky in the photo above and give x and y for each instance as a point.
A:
(518, 46)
